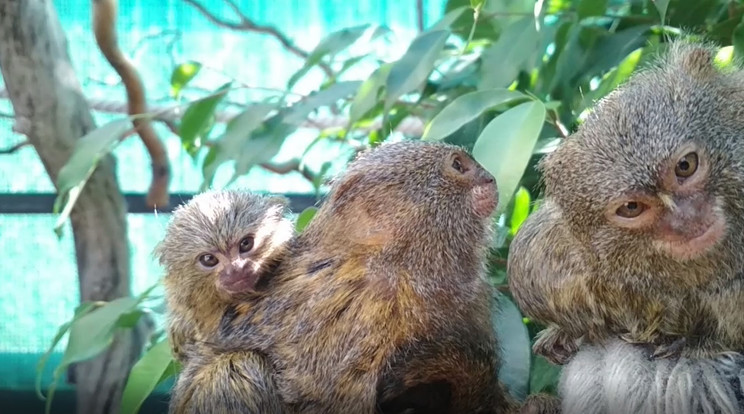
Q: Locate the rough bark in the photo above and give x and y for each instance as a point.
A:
(48, 100)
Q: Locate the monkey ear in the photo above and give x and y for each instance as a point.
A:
(697, 60)
(343, 190)
(279, 200)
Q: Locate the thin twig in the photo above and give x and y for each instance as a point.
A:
(420, 15)
(555, 120)
(247, 24)
(14, 148)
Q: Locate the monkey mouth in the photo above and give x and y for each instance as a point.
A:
(484, 199)
(239, 283)
(691, 248)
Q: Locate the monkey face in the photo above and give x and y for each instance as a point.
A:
(236, 272)
(680, 215)
(461, 168)
(226, 240)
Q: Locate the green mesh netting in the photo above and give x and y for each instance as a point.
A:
(38, 274)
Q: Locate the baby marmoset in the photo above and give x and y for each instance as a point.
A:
(217, 248)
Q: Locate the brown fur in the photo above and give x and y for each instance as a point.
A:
(214, 221)
(248, 386)
(588, 280)
(382, 304)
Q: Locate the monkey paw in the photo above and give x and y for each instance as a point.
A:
(670, 350)
(555, 345)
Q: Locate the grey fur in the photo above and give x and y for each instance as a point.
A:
(618, 378)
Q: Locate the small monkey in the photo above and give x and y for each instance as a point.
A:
(641, 235)
(217, 249)
(381, 304)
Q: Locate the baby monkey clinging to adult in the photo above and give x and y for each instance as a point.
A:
(642, 230)
(217, 248)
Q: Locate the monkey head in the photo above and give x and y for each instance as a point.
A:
(227, 240)
(390, 195)
(654, 176)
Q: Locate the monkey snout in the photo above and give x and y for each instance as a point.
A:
(483, 177)
(690, 228)
(485, 199)
(238, 278)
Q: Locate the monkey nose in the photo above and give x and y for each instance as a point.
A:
(238, 277)
(483, 177)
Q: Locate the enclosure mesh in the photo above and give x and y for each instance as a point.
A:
(37, 270)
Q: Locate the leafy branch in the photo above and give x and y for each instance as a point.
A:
(247, 24)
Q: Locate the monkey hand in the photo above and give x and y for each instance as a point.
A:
(670, 350)
(555, 345)
(660, 349)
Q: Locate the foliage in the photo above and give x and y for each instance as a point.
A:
(507, 79)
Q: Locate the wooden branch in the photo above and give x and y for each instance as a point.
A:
(46, 93)
(246, 24)
(420, 15)
(104, 27)
(14, 148)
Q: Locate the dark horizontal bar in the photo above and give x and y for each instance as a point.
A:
(42, 203)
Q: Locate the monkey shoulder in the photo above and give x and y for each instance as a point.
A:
(547, 269)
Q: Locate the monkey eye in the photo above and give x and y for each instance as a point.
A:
(208, 260)
(631, 209)
(687, 165)
(457, 164)
(246, 244)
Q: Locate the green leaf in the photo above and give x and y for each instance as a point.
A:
(446, 22)
(263, 144)
(547, 145)
(414, 67)
(182, 75)
(476, 3)
(198, 119)
(725, 55)
(349, 63)
(589, 8)
(738, 41)
(661, 6)
(611, 49)
(303, 219)
(94, 331)
(81, 310)
(232, 141)
(368, 94)
(514, 51)
(90, 335)
(84, 159)
(145, 376)
(514, 340)
(521, 209)
(505, 146)
(299, 112)
(464, 109)
(544, 376)
(332, 44)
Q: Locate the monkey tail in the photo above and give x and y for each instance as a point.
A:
(104, 28)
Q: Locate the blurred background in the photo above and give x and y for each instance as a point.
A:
(329, 79)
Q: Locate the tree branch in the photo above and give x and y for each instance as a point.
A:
(246, 24)
(104, 27)
(14, 148)
(420, 15)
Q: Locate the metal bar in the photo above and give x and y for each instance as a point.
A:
(42, 203)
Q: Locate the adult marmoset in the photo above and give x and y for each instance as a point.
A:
(382, 305)
(641, 233)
